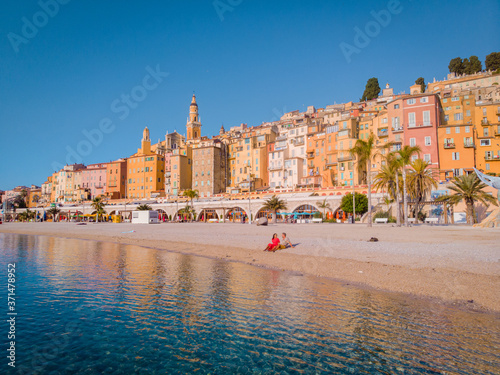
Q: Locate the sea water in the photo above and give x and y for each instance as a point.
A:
(86, 307)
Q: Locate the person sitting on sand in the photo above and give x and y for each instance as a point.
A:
(275, 243)
(285, 242)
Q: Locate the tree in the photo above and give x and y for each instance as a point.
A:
(456, 66)
(365, 151)
(492, 61)
(190, 211)
(98, 205)
(468, 188)
(421, 81)
(144, 207)
(20, 199)
(421, 181)
(324, 206)
(53, 211)
(404, 159)
(274, 204)
(389, 178)
(472, 65)
(372, 89)
(191, 194)
(361, 202)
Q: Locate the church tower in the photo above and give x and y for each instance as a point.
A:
(193, 125)
(145, 142)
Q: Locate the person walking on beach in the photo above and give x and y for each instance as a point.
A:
(285, 242)
(275, 243)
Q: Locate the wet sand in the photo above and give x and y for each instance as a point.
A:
(456, 264)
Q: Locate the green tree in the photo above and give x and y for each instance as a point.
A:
(274, 204)
(372, 89)
(361, 201)
(404, 159)
(389, 178)
(472, 65)
(144, 207)
(421, 181)
(421, 81)
(324, 205)
(98, 205)
(492, 61)
(456, 66)
(468, 188)
(191, 194)
(53, 211)
(365, 152)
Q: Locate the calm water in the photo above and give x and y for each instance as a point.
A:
(101, 308)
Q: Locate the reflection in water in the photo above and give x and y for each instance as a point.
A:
(92, 307)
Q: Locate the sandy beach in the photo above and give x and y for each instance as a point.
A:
(454, 264)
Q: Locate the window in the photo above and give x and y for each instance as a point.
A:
(467, 113)
(467, 129)
(411, 101)
(455, 99)
(457, 129)
(448, 130)
(396, 106)
(446, 117)
(427, 141)
(427, 117)
(485, 142)
(413, 142)
(414, 157)
(458, 116)
(427, 158)
(411, 119)
(487, 166)
(486, 132)
(424, 100)
(455, 156)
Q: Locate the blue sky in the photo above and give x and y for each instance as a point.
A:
(247, 60)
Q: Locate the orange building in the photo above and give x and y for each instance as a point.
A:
(145, 171)
(116, 178)
(488, 137)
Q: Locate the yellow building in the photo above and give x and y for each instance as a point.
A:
(488, 137)
(145, 171)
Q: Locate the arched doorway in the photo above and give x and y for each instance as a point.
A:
(305, 212)
(208, 214)
(236, 215)
(162, 215)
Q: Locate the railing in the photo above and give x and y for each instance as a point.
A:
(275, 167)
(383, 132)
(298, 142)
(449, 145)
(310, 155)
(468, 144)
(485, 122)
(422, 125)
(492, 157)
(345, 158)
(396, 129)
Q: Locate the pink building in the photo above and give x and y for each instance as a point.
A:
(94, 179)
(414, 121)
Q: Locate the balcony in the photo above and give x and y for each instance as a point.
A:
(298, 142)
(397, 129)
(492, 157)
(345, 157)
(420, 125)
(383, 133)
(485, 122)
(343, 134)
(449, 145)
(468, 144)
(310, 155)
(275, 167)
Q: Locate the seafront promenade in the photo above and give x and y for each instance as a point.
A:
(455, 264)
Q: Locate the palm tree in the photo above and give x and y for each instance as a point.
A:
(274, 204)
(365, 151)
(53, 211)
(404, 159)
(469, 189)
(144, 207)
(98, 205)
(188, 210)
(324, 205)
(421, 181)
(191, 194)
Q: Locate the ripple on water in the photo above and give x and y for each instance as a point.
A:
(92, 308)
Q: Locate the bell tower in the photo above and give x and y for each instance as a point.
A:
(193, 125)
(145, 142)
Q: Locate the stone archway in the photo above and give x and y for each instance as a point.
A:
(207, 214)
(236, 214)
